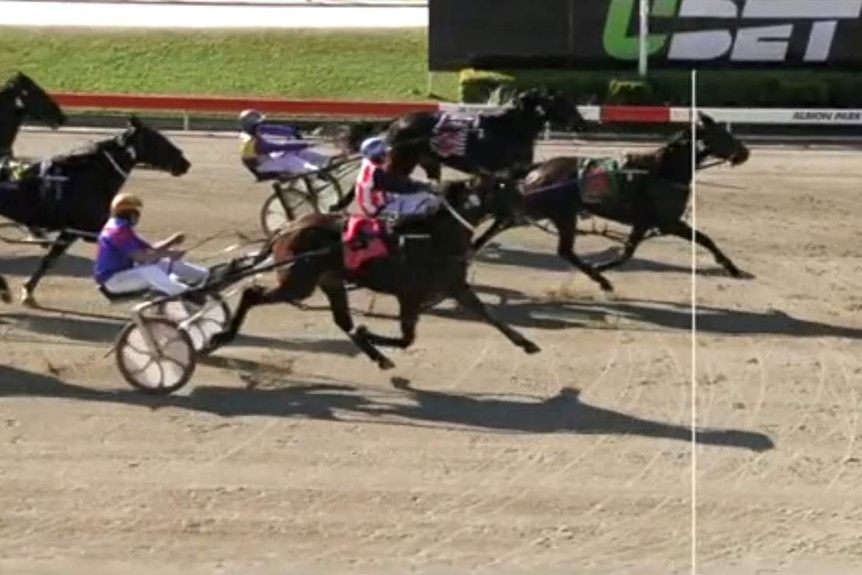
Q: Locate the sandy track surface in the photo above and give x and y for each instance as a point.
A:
(476, 458)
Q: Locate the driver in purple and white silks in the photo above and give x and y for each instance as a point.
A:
(275, 150)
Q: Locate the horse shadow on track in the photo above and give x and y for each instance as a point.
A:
(103, 329)
(70, 265)
(660, 314)
(548, 260)
(564, 413)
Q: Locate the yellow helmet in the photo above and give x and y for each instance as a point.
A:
(124, 203)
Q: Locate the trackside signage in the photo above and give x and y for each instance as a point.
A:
(840, 117)
(701, 34)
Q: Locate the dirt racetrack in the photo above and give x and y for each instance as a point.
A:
(476, 458)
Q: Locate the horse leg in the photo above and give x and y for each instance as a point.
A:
(684, 231)
(5, 294)
(468, 299)
(57, 249)
(636, 237)
(566, 250)
(496, 228)
(297, 284)
(409, 318)
(333, 287)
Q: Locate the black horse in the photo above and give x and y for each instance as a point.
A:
(652, 197)
(21, 98)
(502, 142)
(72, 194)
(434, 267)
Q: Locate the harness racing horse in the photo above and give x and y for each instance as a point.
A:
(438, 266)
(496, 143)
(21, 98)
(653, 200)
(72, 194)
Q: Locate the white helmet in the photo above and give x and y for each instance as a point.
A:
(374, 148)
(248, 119)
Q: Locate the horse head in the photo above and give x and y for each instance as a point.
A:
(673, 160)
(34, 102)
(552, 107)
(153, 148)
(715, 140)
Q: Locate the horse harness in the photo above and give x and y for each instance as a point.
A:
(451, 133)
(49, 173)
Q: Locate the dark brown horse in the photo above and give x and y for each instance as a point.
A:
(431, 260)
(652, 198)
(500, 142)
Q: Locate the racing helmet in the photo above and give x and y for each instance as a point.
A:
(374, 148)
(249, 119)
(124, 203)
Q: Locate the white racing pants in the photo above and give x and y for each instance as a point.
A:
(292, 163)
(165, 276)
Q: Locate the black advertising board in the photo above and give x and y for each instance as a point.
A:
(683, 34)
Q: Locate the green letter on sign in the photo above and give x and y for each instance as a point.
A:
(622, 47)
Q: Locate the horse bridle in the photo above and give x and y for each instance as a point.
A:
(113, 161)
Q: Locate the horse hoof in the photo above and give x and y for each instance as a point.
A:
(385, 364)
(531, 348)
(27, 299)
(607, 287)
(738, 274)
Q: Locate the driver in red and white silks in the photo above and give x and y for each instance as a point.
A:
(380, 194)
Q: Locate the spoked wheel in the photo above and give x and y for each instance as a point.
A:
(159, 371)
(274, 214)
(328, 192)
(214, 320)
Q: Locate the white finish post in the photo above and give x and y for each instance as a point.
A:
(644, 33)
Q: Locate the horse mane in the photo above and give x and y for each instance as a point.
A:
(649, 161)
(8, 86)
(87, 151)
(10, 82)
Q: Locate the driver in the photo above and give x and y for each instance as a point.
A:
(126, 263)
(380, 194)
(265, 155)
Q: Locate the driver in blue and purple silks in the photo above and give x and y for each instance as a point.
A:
(272, 149)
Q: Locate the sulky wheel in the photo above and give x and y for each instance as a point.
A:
(214, 319)
(274, 214)
(327, 191)
(159, 371)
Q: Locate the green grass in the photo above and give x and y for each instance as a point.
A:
(346, 65)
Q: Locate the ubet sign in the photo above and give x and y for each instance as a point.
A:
(752, 30)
